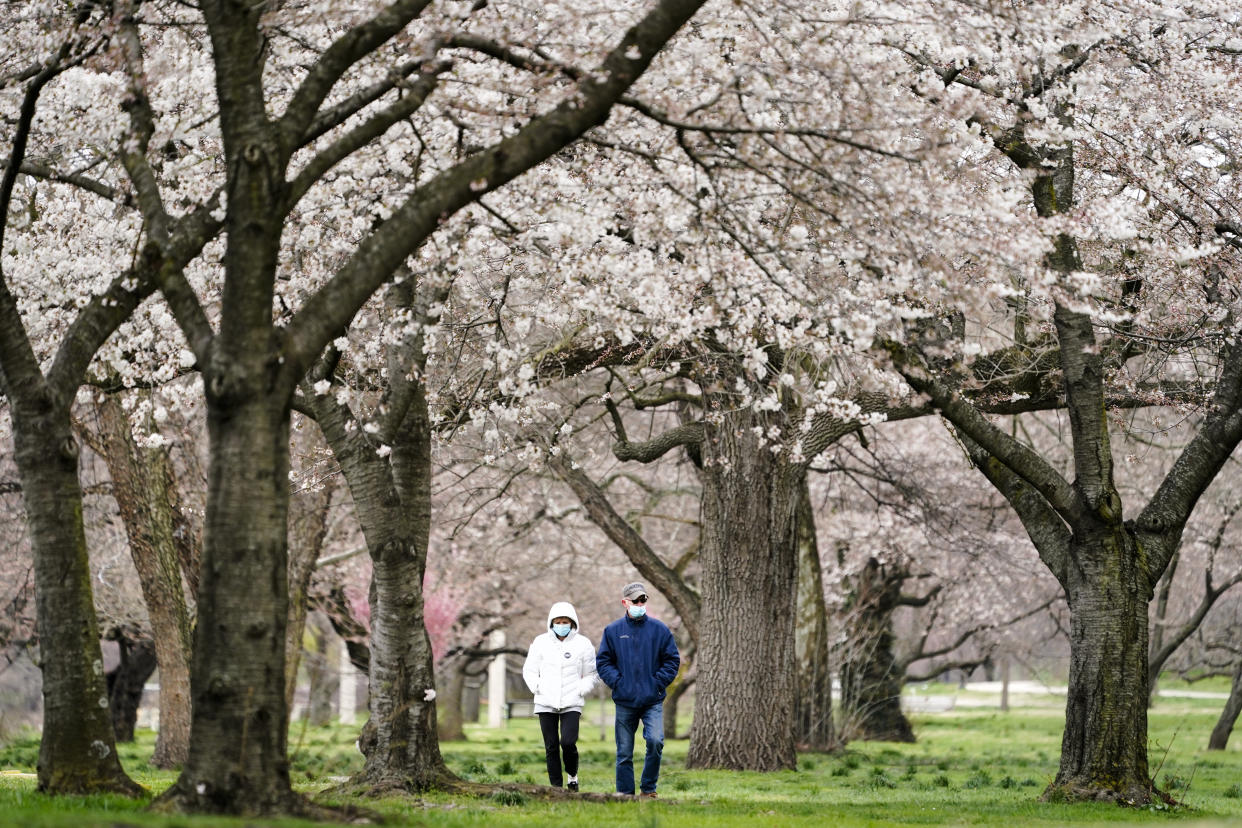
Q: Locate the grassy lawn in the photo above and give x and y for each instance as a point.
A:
(971, 766)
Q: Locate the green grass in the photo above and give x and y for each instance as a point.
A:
(972, 766)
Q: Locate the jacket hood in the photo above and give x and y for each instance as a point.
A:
(562, 608)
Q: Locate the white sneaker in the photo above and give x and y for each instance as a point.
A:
(573, 784)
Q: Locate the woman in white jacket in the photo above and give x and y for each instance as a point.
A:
(560, 671)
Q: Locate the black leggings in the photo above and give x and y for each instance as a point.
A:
(553, 744)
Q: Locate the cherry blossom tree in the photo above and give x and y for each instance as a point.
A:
(360, 94)
(1137, 259)
(50, 322)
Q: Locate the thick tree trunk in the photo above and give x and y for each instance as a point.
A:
(126, 681)
(1233, 706)
(743, 716)
(406, 750)
(813, 728)
(1104, 747)
(145, 491)
(77, 754)
(237, 761)
(870, 679)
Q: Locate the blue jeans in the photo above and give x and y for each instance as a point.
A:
(628, 718)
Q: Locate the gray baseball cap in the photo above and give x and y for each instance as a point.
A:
(634, 590)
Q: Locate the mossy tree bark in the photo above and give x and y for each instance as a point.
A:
(871, 677)
(146, 492)
(237, 759)
(77, 754)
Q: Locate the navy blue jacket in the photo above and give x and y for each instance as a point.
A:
(637, 659)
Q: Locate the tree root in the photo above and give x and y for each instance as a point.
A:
(362, 786)
(112, 784)
(176, 800)
(1136, 795)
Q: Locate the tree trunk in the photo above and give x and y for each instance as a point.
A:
(469, 703)
(813, 728)
(237, 761)
(146, 493)
(676, 692)
(1233, 705)
(1161, 621)
(321, 671)
(451, 680)
(870, 680)
(393, 502)
(308, 526)
(403, 710)
(77, 754)
(743, 716)
(126, 681)
(1104, 747)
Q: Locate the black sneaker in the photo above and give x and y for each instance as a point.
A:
(573, 786)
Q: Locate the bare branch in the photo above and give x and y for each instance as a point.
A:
(344, 52)
(664, 578)
(655, 448)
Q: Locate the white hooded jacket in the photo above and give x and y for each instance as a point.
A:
(560, 672)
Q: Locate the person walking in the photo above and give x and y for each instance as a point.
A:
(560, 672)
(638, 659)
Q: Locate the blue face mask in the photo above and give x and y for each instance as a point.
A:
(561, 629)
(637, 610)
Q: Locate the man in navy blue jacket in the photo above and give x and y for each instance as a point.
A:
(638, 659)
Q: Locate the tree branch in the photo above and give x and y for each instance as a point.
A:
(42, 171)
(648, 451)
(1043, 525)
(365, 133)
(1164, 518)
(330, 119)
(345, 51)
(658, 574)
(1210, 596)
(1016, 457)
(20, 374)
(378, 256)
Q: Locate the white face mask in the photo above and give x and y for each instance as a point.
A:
(637, 610)
(561, 629)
